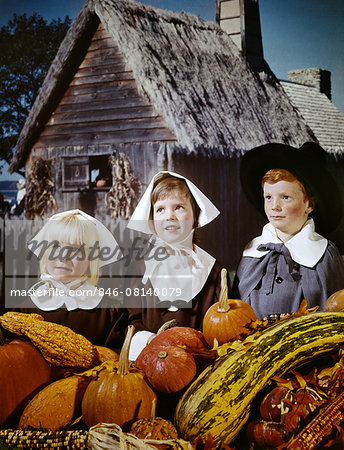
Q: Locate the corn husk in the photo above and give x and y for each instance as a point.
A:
(104, 436)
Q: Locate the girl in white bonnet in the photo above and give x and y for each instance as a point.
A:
(180, 280)
(69, 250)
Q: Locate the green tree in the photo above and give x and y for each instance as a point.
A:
(28, 46)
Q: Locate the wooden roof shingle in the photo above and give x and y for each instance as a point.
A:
(325, 120)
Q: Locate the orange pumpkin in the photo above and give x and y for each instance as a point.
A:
(101, 183)
(23, 372)
(119, 394)
(154, 428)
(168, 369)
(225, 320)
(335, 302)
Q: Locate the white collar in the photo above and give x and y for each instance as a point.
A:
(187, 269)
(306, 247)
(49, 294)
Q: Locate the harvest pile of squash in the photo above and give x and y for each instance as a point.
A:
(187, 389)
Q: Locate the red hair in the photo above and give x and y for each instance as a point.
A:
(275, 175)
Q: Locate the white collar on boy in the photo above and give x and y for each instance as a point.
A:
(49, 294)
(140, 219)
(306, 247)
(106, 238)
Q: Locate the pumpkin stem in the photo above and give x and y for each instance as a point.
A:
(2, 338)
(167, 325)
(223, 298)
(162, 354)
(153, 410)
(123, 362)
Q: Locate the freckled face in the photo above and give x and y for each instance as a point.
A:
(66, 262)
(285, 207)
(173, 217)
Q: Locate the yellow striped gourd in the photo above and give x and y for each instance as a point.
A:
(218, 401)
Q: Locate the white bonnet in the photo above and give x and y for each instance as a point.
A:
(106, 239)
(140, 219)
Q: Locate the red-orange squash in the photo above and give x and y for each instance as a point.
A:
(168, 369)
(272, 404)
(268, 434)
(335, 302)
(225, 320)
(23, 372)
(190, 339)
(119, 394)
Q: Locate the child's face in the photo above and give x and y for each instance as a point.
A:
(286, 207)
(66, 262)
(173, 217)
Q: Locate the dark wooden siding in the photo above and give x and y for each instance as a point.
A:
(102, 104)
(239, 221)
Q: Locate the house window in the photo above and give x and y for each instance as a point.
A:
(100, 172)
(86, 172)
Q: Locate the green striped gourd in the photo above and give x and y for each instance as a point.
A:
(218, 401)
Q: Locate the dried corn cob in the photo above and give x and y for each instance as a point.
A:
(58, 344)
(320, 427)
(45, 439)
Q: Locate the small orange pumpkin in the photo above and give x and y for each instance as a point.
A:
(119, 394)
(168, 369)
(226, 319)
(335, 302)
(23, 372)
(154, 428)
(101, 182)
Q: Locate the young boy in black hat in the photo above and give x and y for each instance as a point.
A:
(290, 261)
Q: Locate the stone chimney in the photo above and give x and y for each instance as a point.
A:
(240, 19)
(319, 78)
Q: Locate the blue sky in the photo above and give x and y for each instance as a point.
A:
(296, 33)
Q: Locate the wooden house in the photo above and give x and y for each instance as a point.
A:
(167, 90)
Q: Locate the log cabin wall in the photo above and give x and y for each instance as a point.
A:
(101, 112)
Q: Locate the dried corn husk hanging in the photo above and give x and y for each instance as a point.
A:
(40, 189)
(122, 197)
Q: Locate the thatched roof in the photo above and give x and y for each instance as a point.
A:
(326, 121)
(190, 70)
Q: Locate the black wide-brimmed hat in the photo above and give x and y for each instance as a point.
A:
(307, 164)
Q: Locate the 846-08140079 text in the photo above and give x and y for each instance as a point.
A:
(166, 292)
